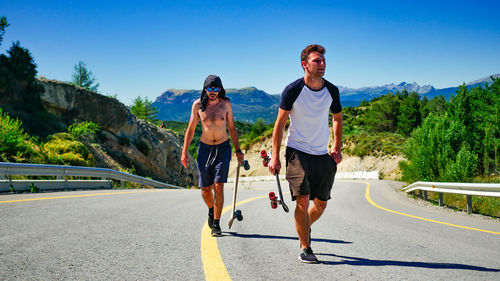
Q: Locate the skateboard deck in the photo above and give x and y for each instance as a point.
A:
(237, 214)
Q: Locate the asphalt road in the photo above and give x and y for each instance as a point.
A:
(161, 235)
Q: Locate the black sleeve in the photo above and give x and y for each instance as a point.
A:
(334, 92)
(290, 94)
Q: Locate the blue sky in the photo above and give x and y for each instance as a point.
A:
(142, 48)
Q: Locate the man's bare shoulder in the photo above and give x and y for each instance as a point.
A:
(197, 103)
(226, 102)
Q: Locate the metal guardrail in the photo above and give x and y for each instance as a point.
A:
(467, 189)
(62, 172)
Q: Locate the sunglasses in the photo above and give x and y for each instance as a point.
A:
(212, 89)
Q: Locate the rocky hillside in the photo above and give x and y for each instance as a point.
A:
(124, 141)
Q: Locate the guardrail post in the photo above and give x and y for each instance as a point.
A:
(425, 195)
(469, 204)
(441, 199)
(122, 184)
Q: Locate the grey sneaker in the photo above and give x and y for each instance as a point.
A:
(216, 232)
(307, 256)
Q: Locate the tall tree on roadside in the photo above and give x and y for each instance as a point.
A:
(144, 109)
(478, 109)
(84, 78)
(3, 24)
(409, 113)
(382, 116)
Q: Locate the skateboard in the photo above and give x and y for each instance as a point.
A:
(237, 214)
(272, 196)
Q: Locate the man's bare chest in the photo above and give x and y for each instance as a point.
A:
(214, 114)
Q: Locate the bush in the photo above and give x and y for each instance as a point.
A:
(63, 149)
(15, 144)
(85, 128)
(12, 136)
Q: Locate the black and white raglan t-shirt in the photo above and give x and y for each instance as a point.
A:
(309, 110)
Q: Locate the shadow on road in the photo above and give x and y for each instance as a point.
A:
(260, 236)
(354, 261)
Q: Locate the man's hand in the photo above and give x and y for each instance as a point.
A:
(337, 156)
(240, 157)
(184, 160)
(274, 165)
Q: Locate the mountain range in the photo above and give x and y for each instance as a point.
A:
(250, 103)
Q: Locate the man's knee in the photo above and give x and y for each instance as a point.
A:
(219, 188)
(321, 205)
(205, 190)
(302, 202)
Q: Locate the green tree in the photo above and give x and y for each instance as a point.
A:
(409, 113)
(432, 150)
(3, 26)
(144, 109)
(478, 109)
(382, 116)
(84, 78)
(437, 105)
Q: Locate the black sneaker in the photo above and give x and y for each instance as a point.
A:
(307, 256)
(210, 220)
(216, 232)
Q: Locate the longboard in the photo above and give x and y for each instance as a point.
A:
(272, 196)
(237, 214)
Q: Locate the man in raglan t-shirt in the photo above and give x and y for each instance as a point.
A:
(310, 168)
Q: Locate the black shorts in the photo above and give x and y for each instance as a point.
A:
(213, 163)
(309, 174)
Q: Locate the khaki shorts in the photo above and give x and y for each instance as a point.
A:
(309, 174)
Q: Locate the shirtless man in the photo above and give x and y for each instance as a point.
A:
(214, 152)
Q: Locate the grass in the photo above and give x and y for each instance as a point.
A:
(362, 143)
(488, 206)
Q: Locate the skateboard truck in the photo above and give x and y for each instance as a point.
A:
(274, 200)
(272, 196)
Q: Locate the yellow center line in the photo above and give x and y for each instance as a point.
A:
(213, 265)
(367, 196)
(80, 195)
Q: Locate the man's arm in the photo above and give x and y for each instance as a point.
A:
(279, 127)
(193, 121)
(233, 133)
(337, 137)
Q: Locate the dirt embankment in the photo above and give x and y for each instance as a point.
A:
(386, 165)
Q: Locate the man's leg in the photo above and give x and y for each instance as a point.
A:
(302, 221)
(219, 199)
(316, 210)
(206, 193)
(218, 204)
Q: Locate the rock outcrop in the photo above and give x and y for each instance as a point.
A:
(136, 144)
